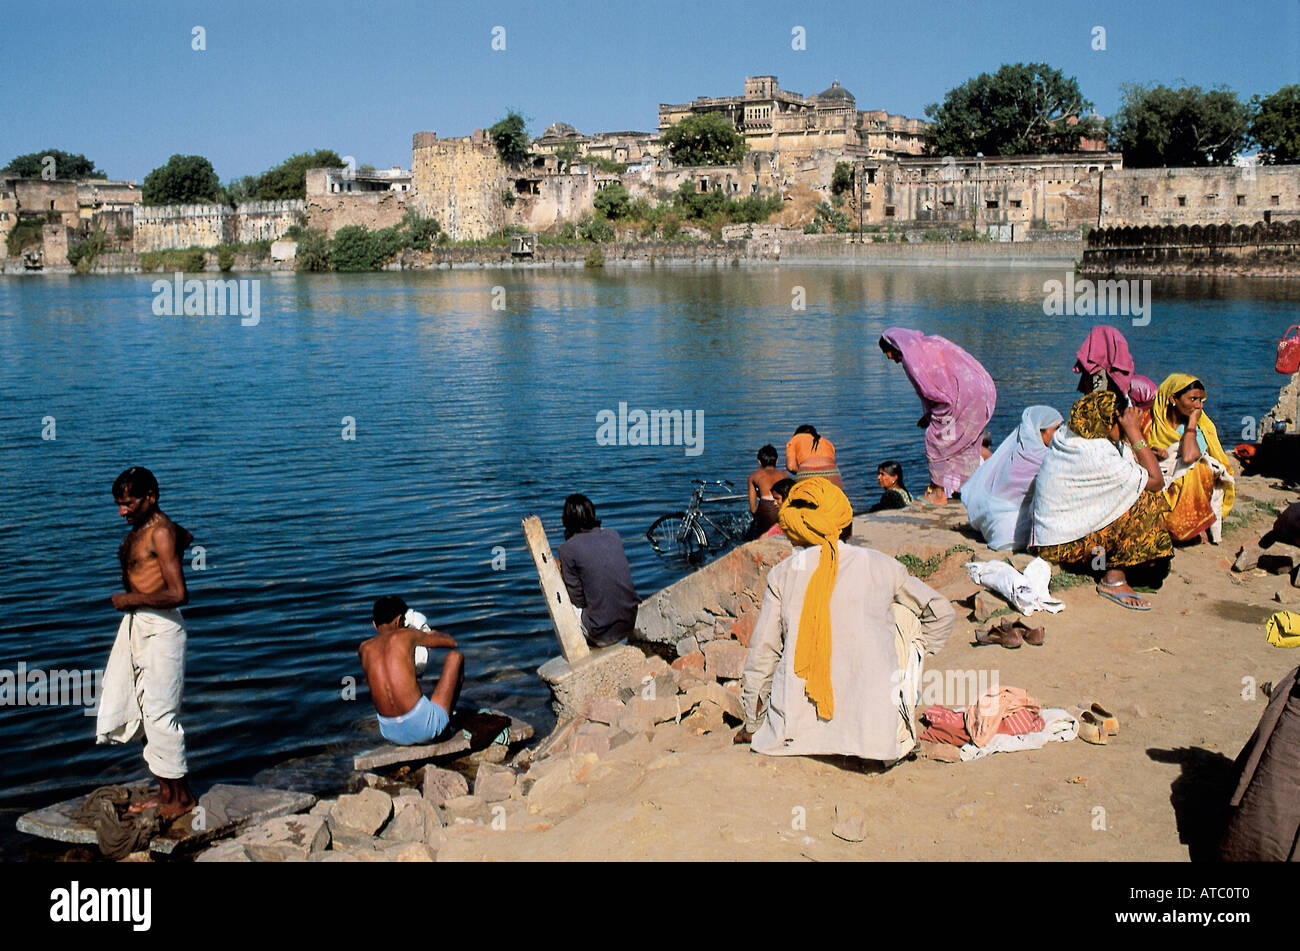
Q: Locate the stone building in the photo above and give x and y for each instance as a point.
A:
(778, 120)
(166, 227)
(76, 206)
(374, 199)
(1223, 195)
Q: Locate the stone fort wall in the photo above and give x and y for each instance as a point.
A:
(459, 182)
(165, 227)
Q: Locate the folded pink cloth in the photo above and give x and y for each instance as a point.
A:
(985, 715)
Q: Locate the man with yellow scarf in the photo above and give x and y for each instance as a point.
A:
(834, 663)
(1198, 473)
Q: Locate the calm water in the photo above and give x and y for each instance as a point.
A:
(466, 419)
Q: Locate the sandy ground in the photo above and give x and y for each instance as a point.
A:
(1183, 678)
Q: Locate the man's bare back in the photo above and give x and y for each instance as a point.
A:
(388, 659)
(761, 482)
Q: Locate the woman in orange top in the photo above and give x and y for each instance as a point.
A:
(808, 454)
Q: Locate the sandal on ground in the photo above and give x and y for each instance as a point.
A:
(1109, 722)
(1091, 730)
(1033, 636)
(1118, 597)
(1004, 634)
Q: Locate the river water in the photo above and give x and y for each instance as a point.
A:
(473, 398)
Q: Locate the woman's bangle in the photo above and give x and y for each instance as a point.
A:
(1140, 444)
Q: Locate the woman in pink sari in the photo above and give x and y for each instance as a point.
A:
(958, 396)
(1103, 361)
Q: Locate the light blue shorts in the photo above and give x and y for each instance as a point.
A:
(420, 724)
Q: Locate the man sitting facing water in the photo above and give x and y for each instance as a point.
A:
(406, 717)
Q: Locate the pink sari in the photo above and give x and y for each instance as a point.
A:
(958, 396)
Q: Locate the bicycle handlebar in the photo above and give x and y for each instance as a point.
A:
(726, 482)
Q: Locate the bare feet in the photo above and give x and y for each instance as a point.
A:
(935, 495)
(153, 802)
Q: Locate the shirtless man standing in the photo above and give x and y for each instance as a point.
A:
(145, 675)
(406, 716)
(761, 504)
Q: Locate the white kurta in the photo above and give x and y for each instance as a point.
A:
(867, 666)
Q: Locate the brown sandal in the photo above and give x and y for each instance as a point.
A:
(1033, 636)
(1003, 633)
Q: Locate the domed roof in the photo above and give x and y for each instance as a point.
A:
(560, 130)
(836, 92)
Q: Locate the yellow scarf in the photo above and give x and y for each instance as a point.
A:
(820, 525)
(1165, 434)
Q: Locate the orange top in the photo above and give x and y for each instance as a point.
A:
(799, 451)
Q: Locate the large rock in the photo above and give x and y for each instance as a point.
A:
(225, 852)
(599, 674)
(494, 783)
(286, 839)
(366, 812)
(438, 785)
(415, 819)
(411, 852)
(725, 659)
(727, 700)
(466, 809)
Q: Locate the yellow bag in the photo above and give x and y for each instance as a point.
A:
(1284, 629)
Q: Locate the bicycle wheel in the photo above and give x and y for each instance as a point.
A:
(668, 534)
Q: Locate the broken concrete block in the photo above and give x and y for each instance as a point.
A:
(438, 785)
(850, 822)
(987, 604)
(599, 674)
(225, 852)
(464, 809)
(728, 701)
(605, 709)
(494, 783)
(366, 812)
(690, 665)
(725, 659)
(286, 839)
(415, 819)
(410, 852)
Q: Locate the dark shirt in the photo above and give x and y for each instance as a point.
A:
(892, 499)
(595, 570)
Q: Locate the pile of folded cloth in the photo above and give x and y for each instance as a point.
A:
(1002, 720)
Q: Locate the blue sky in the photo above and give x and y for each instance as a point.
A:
(120, 82)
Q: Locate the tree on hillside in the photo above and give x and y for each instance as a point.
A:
(1022, 109)
(1276, 126)
(289, 179)
(708, 139)
(842, 178)
(185, 179)
(613, 201)
(65, 165)
(1186, 127)
(510, 136)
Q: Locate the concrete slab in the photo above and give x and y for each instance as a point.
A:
(599, 674)
(227, 810)
(457, 745)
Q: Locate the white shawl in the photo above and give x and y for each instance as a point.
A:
(1083, 486)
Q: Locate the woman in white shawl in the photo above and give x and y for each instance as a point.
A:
(1097, 502)
(999, 495)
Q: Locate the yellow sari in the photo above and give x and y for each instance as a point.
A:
(1189, 492)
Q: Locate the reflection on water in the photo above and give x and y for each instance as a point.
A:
(466, 420)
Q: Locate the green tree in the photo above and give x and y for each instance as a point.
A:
(510, 136)
(313, 252)
(66, 165)
(288, 180)
(421, 233)
(842, 178)
(708, 139)
(240, 190)
(1157, 126)
(1022, 109)
(185, 179)
(613, 201)
(1276, 126)
(354, 248)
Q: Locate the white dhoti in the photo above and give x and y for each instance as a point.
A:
(142, 688)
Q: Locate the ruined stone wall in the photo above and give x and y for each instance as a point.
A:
(34, 196)
(1174, 196)
(561, 198)
(166, 227)
(460, 183)
(55, 245)
(373, 210)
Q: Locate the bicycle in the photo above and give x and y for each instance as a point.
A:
(685, 531)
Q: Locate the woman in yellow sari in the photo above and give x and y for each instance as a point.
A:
(1198, 474)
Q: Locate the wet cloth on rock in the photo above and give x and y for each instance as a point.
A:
(1026, 591)
(118, 832)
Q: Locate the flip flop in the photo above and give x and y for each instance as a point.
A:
(1117, 598)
